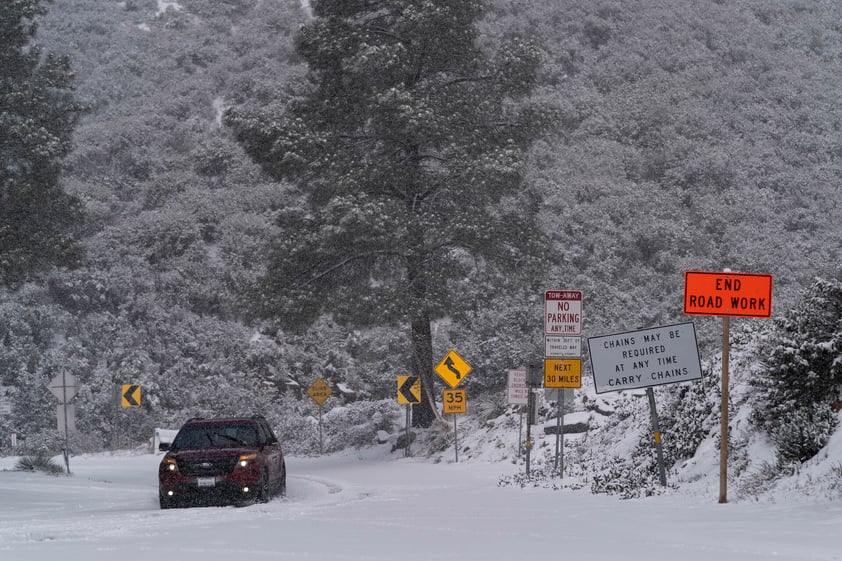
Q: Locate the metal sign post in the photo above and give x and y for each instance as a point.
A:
(409, 393)
(559, 436)
(66, 424)
(319, 391)
(656, 429)
(118, 416)
(408, 424)
(528, 443)
(560, 373)
(517, 394)
(321, 437)
(643, 359)
(562, 354)
(454, 402)
(453, 369)
(455, 441)
(533, 379)
(63, 386)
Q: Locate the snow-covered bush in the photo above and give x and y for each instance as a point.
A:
(688, 415)
(299, 434)
(544, 478)
(348, 426)
(627, 477)
(620, 458)
(762, 479)
(356, 424)
(803, 374)
(39, 462)
(802, 434)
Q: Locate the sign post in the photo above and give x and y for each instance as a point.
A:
(533, 379)
(453, 369)
(726, 294)
(646, 358)
(64, 387)
(724, 432)
(409, 392)
(319, 391)
(656, 430)
(454, 401)
(560, 373)
(517, 393)
(562, 354)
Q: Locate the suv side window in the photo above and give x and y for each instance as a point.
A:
(261, 434)
(270, 436)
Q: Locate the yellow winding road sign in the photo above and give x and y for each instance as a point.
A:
(453, 369)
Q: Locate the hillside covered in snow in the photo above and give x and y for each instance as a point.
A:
(689, 136)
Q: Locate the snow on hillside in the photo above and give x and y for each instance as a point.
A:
(752, 471)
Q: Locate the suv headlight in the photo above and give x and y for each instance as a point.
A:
(170, 465)
(246, 459)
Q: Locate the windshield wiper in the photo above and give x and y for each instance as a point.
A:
(233, 439)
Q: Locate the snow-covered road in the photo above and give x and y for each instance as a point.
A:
(353, 508)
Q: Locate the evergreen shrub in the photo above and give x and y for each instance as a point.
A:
(39, 462)
(803, 374)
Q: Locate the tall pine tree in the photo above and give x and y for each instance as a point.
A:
(37, 117)
(408, 146)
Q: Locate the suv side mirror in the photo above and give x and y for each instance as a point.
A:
(163, 446)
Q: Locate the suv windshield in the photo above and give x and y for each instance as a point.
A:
(219, 436)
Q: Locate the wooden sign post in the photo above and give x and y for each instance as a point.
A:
(726, 294)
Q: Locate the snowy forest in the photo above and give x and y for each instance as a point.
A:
(149, 224)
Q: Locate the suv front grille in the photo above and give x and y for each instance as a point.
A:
(206, 467)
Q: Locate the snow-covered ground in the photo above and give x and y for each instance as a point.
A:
(372, 505)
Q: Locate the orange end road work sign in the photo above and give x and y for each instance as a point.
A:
(727, 294)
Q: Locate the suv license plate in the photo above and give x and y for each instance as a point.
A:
(206, 481)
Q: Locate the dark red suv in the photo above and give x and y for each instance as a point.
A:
(222, 461)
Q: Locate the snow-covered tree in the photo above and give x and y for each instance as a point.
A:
(38, 114)
(408, 145)
(803, 375)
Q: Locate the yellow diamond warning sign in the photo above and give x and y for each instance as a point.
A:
(453, 369)
(319, 391)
